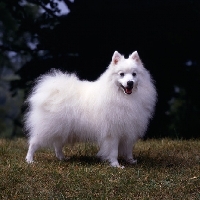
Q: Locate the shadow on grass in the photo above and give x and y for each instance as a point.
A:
(85, 160)
(75, 160)
(143, 160)
(164, 161)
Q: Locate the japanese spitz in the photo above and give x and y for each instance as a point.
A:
(113, 111)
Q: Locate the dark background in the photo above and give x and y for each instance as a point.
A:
(165, 34)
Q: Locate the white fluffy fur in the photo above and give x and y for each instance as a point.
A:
(64, 110)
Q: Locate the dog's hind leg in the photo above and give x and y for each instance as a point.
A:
(58, 150)
(31, 150)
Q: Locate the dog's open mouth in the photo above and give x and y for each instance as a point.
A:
(127, 90)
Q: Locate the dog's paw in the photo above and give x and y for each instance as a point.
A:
(64, 158)
(131, 161)
(116, 164)
(29, 161)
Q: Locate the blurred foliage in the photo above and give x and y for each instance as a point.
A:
(35, 37)
(17, 43)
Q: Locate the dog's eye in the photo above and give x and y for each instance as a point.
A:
(121, 74)
(134, 74)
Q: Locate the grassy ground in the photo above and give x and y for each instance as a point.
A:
(166, 169)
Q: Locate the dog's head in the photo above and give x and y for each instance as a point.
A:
(127, 71)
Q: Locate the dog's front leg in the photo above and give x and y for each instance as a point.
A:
(126, 150)
(109, 151)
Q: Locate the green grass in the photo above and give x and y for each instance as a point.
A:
(166, 169)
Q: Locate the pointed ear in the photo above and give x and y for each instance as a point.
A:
(135, 56)
(116, 57)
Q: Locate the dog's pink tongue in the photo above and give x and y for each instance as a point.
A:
(128, 90)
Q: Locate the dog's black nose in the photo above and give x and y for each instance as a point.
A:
(130, 83)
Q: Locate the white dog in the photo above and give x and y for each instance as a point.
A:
(112, 111)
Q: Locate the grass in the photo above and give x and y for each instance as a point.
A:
(166, 169)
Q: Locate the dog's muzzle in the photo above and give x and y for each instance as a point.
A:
(128, 89)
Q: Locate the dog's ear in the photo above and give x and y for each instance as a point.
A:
(135, 56)
(116, 57)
